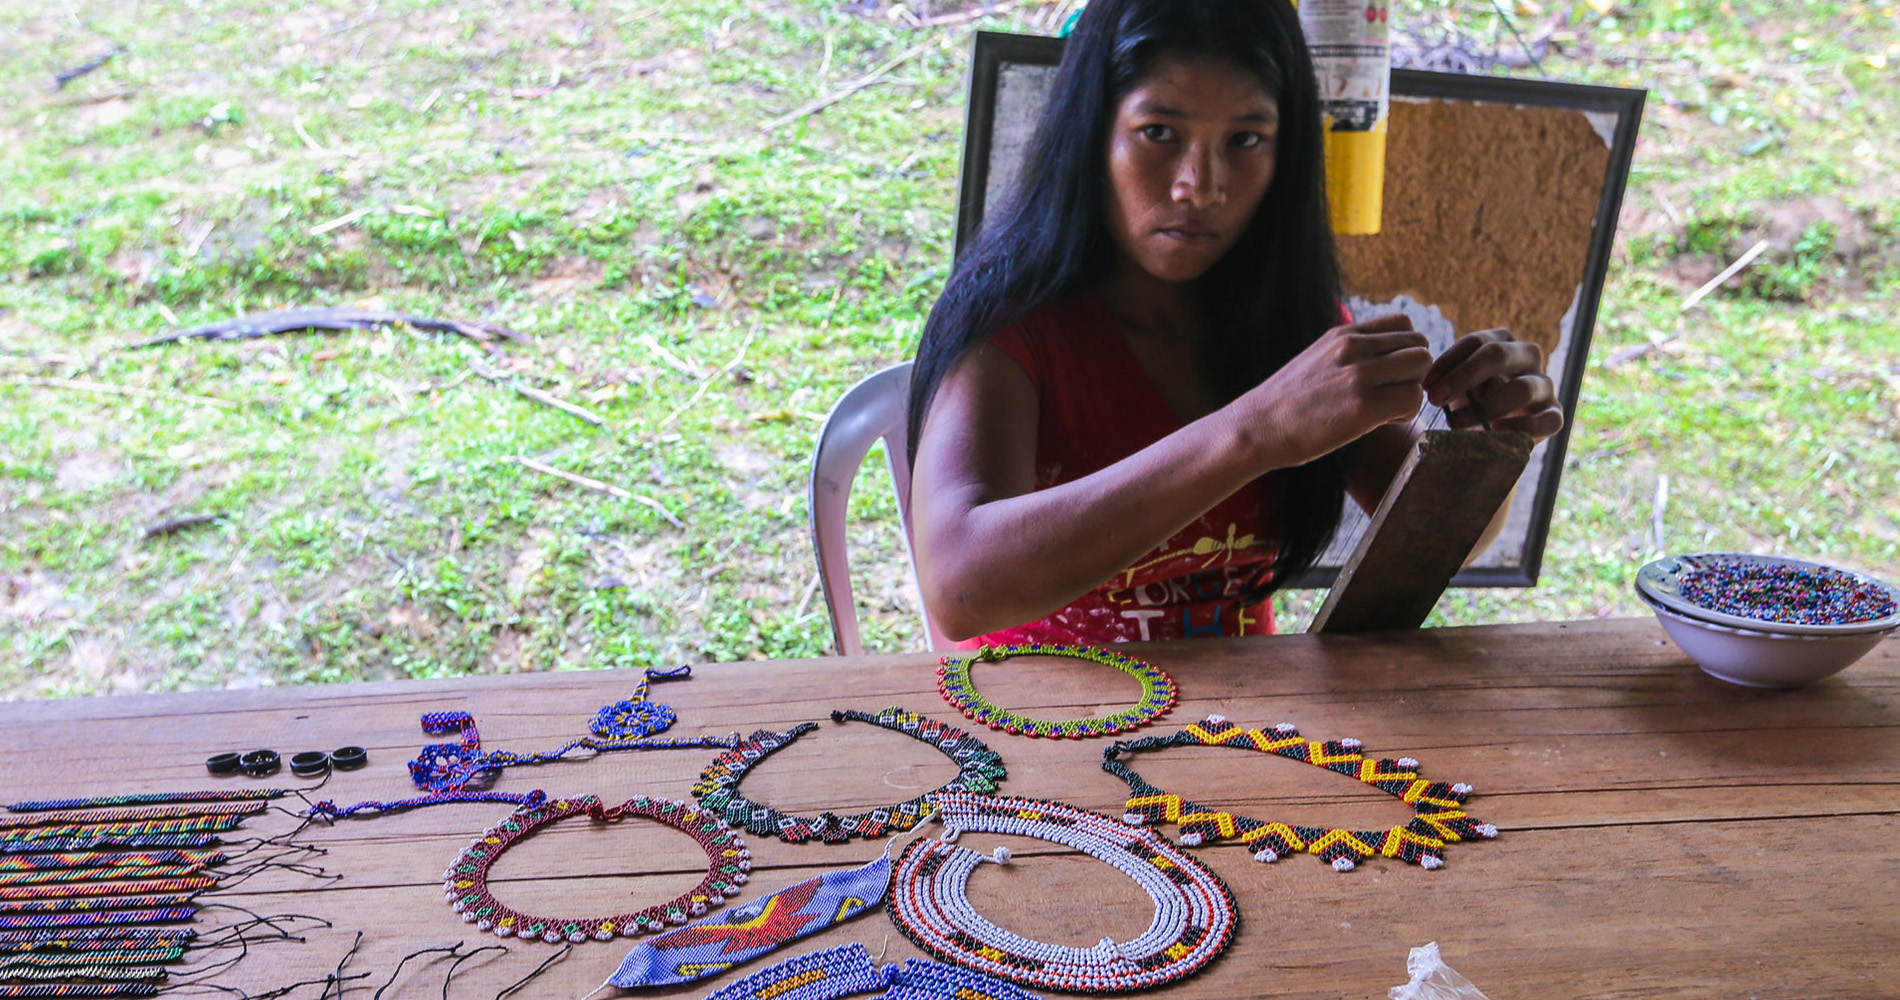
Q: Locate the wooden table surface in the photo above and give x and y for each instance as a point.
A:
(1663, 833)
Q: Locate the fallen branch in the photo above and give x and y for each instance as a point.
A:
(707, 384)
(177, 524)
(84, 385)
(1727, 273)
(848, 89)
(673, 361)
(296, 320)
(544, 398)
(600, 487)
(66, 76)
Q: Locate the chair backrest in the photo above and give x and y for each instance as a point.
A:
(872, 410)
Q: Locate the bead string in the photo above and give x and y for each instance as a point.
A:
(118, 954)
(1158, 692)
(151, 798)
(465, 884)
(1194, 912)
(1438, 809)
(978, 770)
(107, 918)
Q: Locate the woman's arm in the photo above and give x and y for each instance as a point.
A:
(992, 551)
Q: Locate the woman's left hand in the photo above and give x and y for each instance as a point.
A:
(1491, 376)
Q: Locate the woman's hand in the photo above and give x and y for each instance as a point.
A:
(1351, 380)
(1492, 377)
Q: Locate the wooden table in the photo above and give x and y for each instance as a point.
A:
(1664, 834)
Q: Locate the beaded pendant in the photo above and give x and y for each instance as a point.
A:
(1438, 809)
(1194, 912)
(978, 770)
(465, 884)
(1158, 693)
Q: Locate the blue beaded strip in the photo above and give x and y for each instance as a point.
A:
(36, 845)
(107, 918)
(847, 969)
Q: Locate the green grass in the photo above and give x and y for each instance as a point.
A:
(634, 219)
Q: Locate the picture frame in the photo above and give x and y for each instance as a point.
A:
(1542, 157)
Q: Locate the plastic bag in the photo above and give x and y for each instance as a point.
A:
(1432, 979)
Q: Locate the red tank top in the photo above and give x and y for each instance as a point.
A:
(1096, 407)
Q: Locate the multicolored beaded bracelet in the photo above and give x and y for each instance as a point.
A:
(1438, 809)
(465, 884)
(87, 904)
(123, 859)
(67, 817)
(103, 973)
(1158, 693)
(129, 888)
(108, 918)
(1194, 912)
(75, 876)
(978, 770)
(45, 991)
(96, 938)
(114, 954)
(36, 845)
(151, 798)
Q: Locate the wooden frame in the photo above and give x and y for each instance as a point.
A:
(1009, 75)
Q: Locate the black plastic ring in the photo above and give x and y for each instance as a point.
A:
(224, 763)
(310, 763)
(259, 763)
(349, 758)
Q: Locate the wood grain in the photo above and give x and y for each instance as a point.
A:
(1664, 834)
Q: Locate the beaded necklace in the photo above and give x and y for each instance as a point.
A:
(1158, 693)
(151, 798)
(848, 969)
(1194, 912)
(1438, 809)
(978, 770)
(452, 772)
(465, 884)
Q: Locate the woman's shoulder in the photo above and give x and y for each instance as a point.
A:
(1054, 333)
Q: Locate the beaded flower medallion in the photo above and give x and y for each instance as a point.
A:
(1194, 912)
(1438, 809)
(465, 884)
(978, 770)
(1158, 693)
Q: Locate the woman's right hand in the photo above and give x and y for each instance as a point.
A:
(1352, 379)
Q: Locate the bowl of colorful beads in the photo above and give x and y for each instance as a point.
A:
(1768, 621)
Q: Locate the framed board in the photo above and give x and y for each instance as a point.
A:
(1501, 202)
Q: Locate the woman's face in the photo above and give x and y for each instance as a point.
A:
(1190, 154)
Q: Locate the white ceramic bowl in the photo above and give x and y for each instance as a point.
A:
(1759, 658)
(1660, 583)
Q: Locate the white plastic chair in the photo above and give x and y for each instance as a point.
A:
(870, 411)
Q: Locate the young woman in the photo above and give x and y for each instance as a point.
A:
(1135, 410)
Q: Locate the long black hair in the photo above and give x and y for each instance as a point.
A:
(1270, 297)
